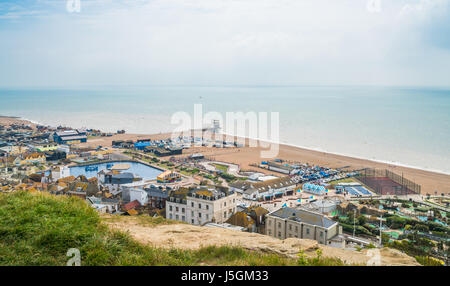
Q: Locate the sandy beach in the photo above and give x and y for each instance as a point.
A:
(245, 156)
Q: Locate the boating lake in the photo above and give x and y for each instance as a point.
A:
(141, 170)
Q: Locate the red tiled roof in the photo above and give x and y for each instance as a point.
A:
(132, 205)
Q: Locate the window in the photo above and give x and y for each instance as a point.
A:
(192, 204)
(199, 206)
(321, 234)
(176, 217)
(182, 210)
(183, 218)
(192, 221)
(176, 208)
(207, 217)
(307, 231)
(224, 204)
(290, 227)
(296, 228)
(224, 214)
(170, 208)
(170, 216)
(270, 223)
(279, 234)
(279, 224)
(270, 232)
(207, 207)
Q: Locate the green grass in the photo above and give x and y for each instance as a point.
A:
(39, 229)
(143, 220)
(221, 167)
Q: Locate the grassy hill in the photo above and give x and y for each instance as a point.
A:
(39, 229)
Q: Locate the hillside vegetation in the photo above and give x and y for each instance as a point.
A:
(39, 229)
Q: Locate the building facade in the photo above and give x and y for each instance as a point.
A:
(202, 205)
(70, 136)
(267, 190)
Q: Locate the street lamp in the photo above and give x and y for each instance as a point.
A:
(381, 236)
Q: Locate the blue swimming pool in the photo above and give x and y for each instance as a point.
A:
(139, 169)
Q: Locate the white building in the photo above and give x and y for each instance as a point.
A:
(201, 206)
(133, 194)
(60, 172)
(265, 190)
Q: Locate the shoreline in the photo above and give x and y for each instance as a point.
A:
(399, 164)
(430, 180)
(314, 149)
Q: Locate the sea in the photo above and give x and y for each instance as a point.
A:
(406, 126)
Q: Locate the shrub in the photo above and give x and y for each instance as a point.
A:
(421, 228)
(429, 261)
(370, 246)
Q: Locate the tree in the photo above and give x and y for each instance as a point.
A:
(421, 228)
(362, 220)
(385, 238)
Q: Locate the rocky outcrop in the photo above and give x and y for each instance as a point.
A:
(187, 236)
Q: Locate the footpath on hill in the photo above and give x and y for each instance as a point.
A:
(185, 236)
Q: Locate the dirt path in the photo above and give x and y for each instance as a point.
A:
(187, 236)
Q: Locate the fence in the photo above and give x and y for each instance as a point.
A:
(385, 182)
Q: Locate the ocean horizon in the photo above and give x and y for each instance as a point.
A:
(406, 126)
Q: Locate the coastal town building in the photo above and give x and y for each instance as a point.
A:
(280, 168)
(70, 136)
(266, 190)
(201, 205)
(115, 177)
(135, 194)
(44, 147)
(104, 205)
(157, 197)
(251, 219)
(163, 152)
(168, 177)
(60, 172)
(14, 150)
(300, 223)
(30, 158)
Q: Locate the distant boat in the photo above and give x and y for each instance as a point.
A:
(91, 168)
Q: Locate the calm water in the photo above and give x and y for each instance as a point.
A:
(403, 125)
(141, 170)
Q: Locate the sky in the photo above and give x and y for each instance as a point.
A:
(224, 42)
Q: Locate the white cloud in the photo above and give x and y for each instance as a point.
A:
(226, 42)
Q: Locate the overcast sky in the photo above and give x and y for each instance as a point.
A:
(225, 42)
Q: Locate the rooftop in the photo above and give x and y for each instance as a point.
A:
(305, 216)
